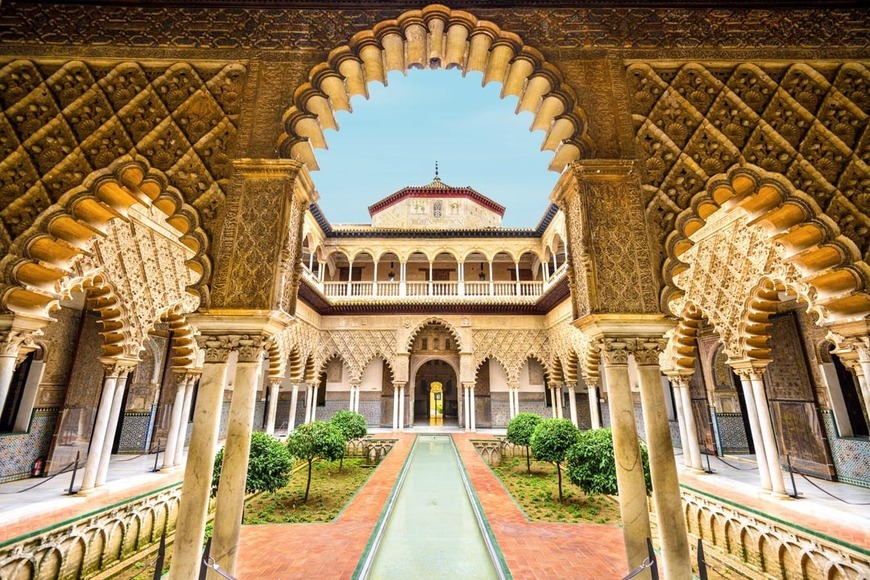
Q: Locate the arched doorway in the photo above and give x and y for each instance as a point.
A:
(436, 396)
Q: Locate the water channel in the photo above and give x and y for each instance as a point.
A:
(432, 527)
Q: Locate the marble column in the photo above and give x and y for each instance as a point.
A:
(314, 389)
(351, 398)
(694, 449)
(512, 408)
(196, 486)
(112, 428)
(594, 409)
(309, 392)
(466, 407)
(8, 362)
(294, 401)
(472, 404)
(234, 471)
(401, 406)
(863, 348)
(771, 453)
(754, 426)
(112, 369)
(185, 414)
(559, 402)
(395, 407)
(671, 525)
(272, 412)
(681, 420)
(572, 404)
(181, 386)
(633, 505)
(554, 404)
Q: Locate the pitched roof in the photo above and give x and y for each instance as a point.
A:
(436, 189)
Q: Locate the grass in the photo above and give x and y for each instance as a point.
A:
(538, 494)
(331, 490)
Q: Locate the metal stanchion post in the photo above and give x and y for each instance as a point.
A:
(702, 564)
(654, 565)
(73, 478)
(794, 494)
(161, 557)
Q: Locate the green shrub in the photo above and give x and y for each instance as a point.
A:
(352, 426)
(551, 440)
(316, 440)
(269, 465)
(591, 465)
(519, 432)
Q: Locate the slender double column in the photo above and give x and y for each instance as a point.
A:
(9, 349)
(630, 480)
(675, 379)
(762, 435)
(196, 486)
(309, 403)
(115, 374)
(468, 404)
(272, 411)
(572, 404)
(234, 471)
(399, 390)
(688, 426)
(354, 397)
(185, 413)
(594, 409)
(752, 413)
(183, 382)
(676, 561)
(513, 399)
(294, 402)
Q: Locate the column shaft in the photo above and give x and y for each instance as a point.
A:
(630, 481)
(755, 429)
(175, 421)
(402, 408)
(774, 464)
(195, 491)
(473, 407)
(677, 563)
(294, 401)
(182, 428)
(111, 429)
(92, 464)
(234, 471)
(511, 410)
(314, 403)
(7, 370)
(395, 407)
(681, 423)
(272, 412)
(308, 392)
(466, 408)
(594, 411)
(572, 405)
(691, 427)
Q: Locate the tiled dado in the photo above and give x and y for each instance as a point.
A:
(18, 451)
(851, 454)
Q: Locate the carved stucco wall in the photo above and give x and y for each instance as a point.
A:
(436, 213)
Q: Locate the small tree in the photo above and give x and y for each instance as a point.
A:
(591, 465)
(519, 432)
(269, 465)
(316, 440)
(352, 426)
(551, 440)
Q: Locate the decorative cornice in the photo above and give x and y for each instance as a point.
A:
(428, 191)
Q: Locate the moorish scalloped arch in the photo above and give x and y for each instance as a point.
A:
(478, 364)
(41, 257)
(436, 37)
(409, 344)
(384, 357)
(830, 272)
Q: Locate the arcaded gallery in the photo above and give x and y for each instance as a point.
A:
(206, 371)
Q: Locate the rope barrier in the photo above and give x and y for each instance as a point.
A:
(826, 492)
(647, 563)
(210, 563)
(732, 466)
(66, 469)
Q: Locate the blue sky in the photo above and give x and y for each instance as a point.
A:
(394, 138)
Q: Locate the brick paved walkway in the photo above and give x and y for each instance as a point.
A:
(333, 550)
(322, 550)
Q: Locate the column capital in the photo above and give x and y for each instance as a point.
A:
(646, 351)
(13, 340)
(749, 369)
(399, 384)
(680, 380)
(118, 367)
(615, 351)
(275, 381)
(468, 385)
(513, 384)
(218, 347)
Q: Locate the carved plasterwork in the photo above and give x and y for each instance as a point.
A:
(436, 37)
(138, 274)
(511, 348)
(61, 122)
(807, 123)
(730, 265)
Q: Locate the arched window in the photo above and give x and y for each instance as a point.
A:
(437, 208)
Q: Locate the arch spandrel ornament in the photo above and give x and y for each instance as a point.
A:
(436, 37)
(749, 238)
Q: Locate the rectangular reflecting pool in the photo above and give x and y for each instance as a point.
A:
(432, 528)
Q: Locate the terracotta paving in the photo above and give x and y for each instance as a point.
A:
(322, 550)
(333, 550)
(784, 509)
(536, 549)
